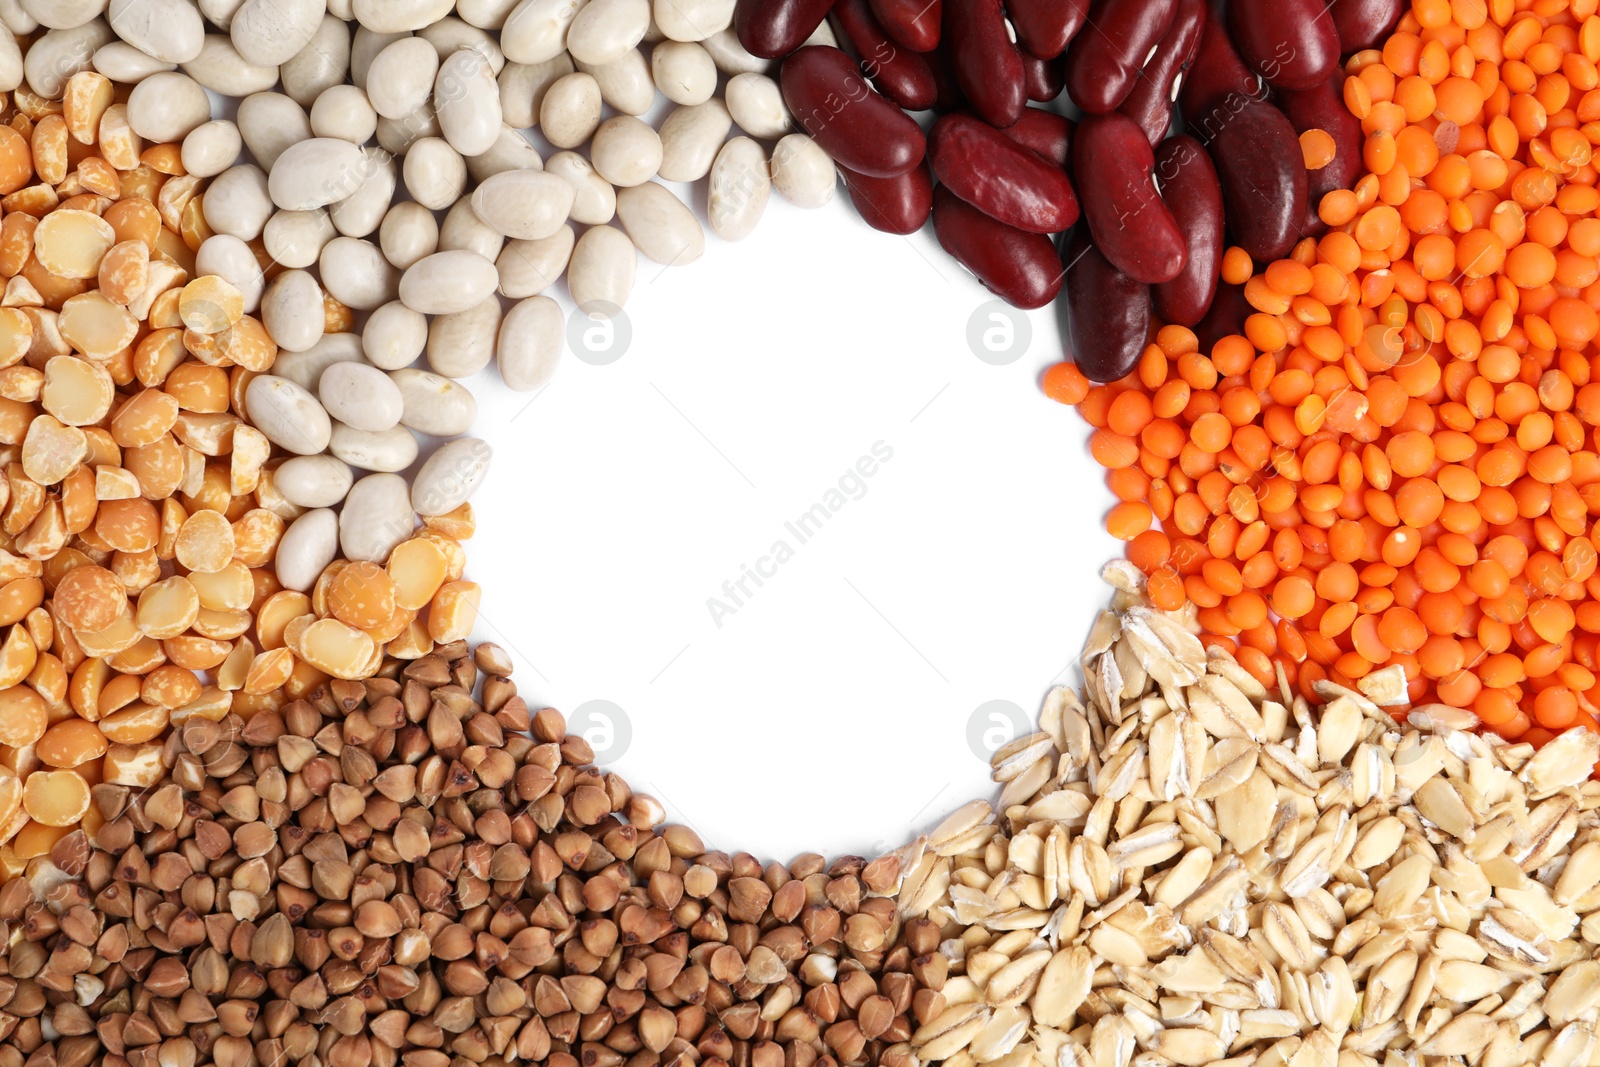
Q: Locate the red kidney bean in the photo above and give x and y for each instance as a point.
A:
(1127, 217)
(1291, 43)
(988, 66)
(1322, 108)
(1108, 313)
(1000, 177)
(1045, 78)
(1102, 66)
(1150, 102)
(1217, 73)
(1364, 23)
(1228, 311)
(913, 24)
(856, 126)
(1045, 27)
(1046, 133)
(1189, 183)
(902, 75)
(894, 205)
(950, 97)
(1020, 268)
(1263, 175)
(774, 28)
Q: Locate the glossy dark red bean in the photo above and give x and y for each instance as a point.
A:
(1001, 178)
(950, 97)
(1150, 102)
(1263, 175)
(859, 128)
(988, 66)
(1364, 23)
(1046, 133)
(1045, 27)
(900, 74)
(1103, 65)
(1217, 73)
(1020, 268)
(894, 205)
(1189, 184)
(913, 24)
(1127, 218)
(1322, 108)
(1290, 43)
(1108, 313)
(1045, 78)
(774, 28)
(1228, 311)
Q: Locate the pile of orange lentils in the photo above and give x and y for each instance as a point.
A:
(1397, 462)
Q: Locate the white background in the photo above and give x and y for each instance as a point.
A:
(830, 712)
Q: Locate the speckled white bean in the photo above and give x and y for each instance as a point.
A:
(398, 16)
(693, 20)
(270, 32)
(289, 415)
(228, 257)
(524, 204)
(313, 481)
(269, 123)
(532, 339)
(449, 35)
(360, 213)
(309, 544)
(237, 202)
(166, 106)
(466, 99)
(376, 516)
(434, 404)
(741, 184)
(530, 267)
(661, 225)
(523, 85)
(211, 148)
(570, 111)
(600, 276)
(344, 112)
(447, 282)
(167, 30)
(297, 238)
(400, 78)
(756, 104)
(683, 71)
(315, 173)
(323, 63)
(462, 344)
(394, 449)
(305, 369)
(360, 396)
(462, 229)
(605, 29)
(55, 56)
(690, 137)
(291, 310)
(123, 63)
(409, 232)
(626, 151)
(485, 14)
(394, 336)
(434, 173)
(355, 273)
(802, 172)
(220, 68)
(624, 82)
(731, 57)
(448, 478)
(594, 201)
(510, 151)
(536, 30)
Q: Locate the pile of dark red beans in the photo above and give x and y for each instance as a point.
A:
(1003, 179)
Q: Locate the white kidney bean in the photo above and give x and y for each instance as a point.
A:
(756, 104)
(166, 106)
(570, 111)
(594, 201)
(462, 344)
(600, 276)
(315, 173)
(289, 415)
(690, 137)
(291, 310)
(693, 20)
(320, 65)
(355, 273)
(313, 481)
(220, 68)
(237, 202)
(434, 404)
(297, 238)
(228, 257)
(524, 204)
(63, 14)
(220, 12)
(305, 369)
(394, 449)
(802, 172)
(270, 32)
(341, 9)
(11, 63)
(822, 35)
(661, 225)
(400, 78)
(530, 267)
(626, 151)
(683, 71)
(447, 282)
(605, 29)
(466, 100)
(167, 30)
(485, 14)
(398, 16)
(511, 151)
(211, 148)
(434, 173)
(449, 477)
(523, 85)
(365, 47)
(59, 54)
(309, 544)
(409, 232)
(731, 57)
(624, 82)
(343, 111)
(448, 35)
(741, 183)
(536, 30)
(270, 123)
(360, 213)
(15, 19)
(360, 396)
(376, 515)
(398, 135)
(532, 338)
(122, 62)
(394, 336)
(463, 230)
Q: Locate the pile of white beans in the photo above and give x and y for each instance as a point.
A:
(377, 151)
